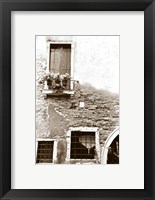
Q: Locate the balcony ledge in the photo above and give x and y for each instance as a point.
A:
(54, 92)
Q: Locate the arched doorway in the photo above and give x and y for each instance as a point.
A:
(110, 152)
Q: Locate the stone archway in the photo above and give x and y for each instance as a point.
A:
(108, 143)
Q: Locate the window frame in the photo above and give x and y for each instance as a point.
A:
(83, 129)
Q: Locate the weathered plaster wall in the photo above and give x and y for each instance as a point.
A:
(42, 123)
(57, 115)
(101, 110)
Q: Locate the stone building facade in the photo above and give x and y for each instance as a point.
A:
(88, 113)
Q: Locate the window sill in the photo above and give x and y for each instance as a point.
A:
(83, 161)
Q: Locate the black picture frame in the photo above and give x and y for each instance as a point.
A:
(6, 6)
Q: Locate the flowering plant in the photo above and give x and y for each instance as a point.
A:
(55, 81)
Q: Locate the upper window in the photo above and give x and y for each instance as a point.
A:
(59, 73)
(60, 58)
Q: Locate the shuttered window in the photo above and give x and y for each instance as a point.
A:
(60, 58)
(45, 152)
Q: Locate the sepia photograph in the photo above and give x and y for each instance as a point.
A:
(77, 99)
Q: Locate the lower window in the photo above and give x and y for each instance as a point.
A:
(82, 145)
(45, 152)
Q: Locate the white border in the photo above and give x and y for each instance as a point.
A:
(130, 173)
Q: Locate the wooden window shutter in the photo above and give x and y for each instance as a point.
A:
(60, 58)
